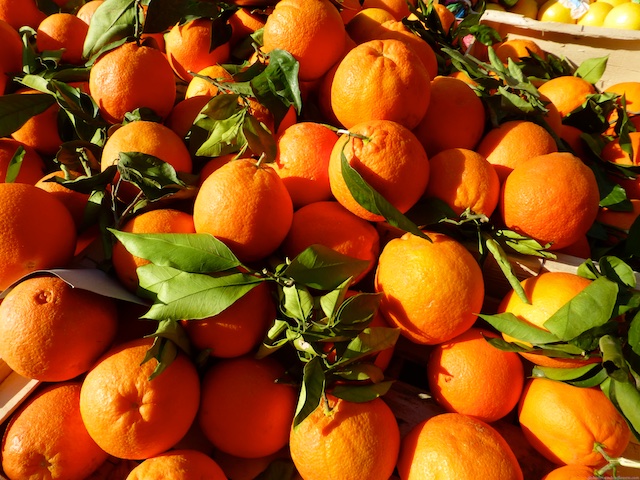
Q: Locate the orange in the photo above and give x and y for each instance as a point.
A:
(572, 472)
(181, 463)
(368, 147)
(52, 331)
(184, 113)
(619, 222)
(380, 80)
(316, 42)
(399, 8)
(10, 55)
(566, 92)
(455, 366)
(76, 202)
(46, 438)
(246, 408)
(27, 14)
(613, 152)
(86, 11)
(441, 270)
(631, 92)
(551, 198)
(453, 445)
(63, 31)
(348, 9)
(452, 102)
(350, 440)
(517, 48)
(446, 16)
(330, 224)
(32, 167)
(132, 76)
(463, 179)
(150, 138)
(264, 115)
(161, 220)
(201, 86)
(304, 165)
(188, 48)
(512, 142)
(215, 163)
(558, 420)
(245, 205)
(238, 329)
(131, 416)
(547, 293)
(580, 248)
(572, 137)
(40, 131)
(365, 21)
(36, 232)
(244, 22)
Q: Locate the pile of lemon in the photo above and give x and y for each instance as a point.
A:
(623, 14)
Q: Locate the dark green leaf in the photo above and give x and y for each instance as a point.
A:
(189, 252)
(503, 262)
(586, 376)
(259, 139)
(613, 358)
(373, 202)
(164, 352)
(311, 390)
(618, 271)
(329, 302)
(13, 169)
(172, 330)
(358, 310)
(591, 307)
(155, 177)
(369, 341)
(297, 303)
(523, 331)
(115, 20)
(87, 185)
(322, 268)
(626, 397)
(361, 372)
(17, 108)
(361, 393)
(592, 69)
(217, 130)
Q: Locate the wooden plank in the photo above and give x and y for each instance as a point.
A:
(14, 389)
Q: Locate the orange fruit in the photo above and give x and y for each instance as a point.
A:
(201, 86)
(40, 131)
(32, 167)
(36, 232)
(215, 163)
(401, 182)
(161, 220)
(316, 42)
(245, 205)
(264, 116)
(185, 464)
(10, 55)
(613, 152)
(620, 219)
(631, 92)
(399, 8)
(350, 440)
(506, 145)
(330, 224)
(380, 80)
(580, 248)
(547, 293)
(517, 48)
(46, 438)
(238, 329)
(572, 472)
(456, 366)
(130, 416)
(566, 92)
(76, 202)
(560, 421)
(27, 14)
(132, 76)
(303, 165)
(246, 410)
(551, 198)
(52, 331)
(184, 113)
(464, 180)
(453, 445)
(452, 102)
(446, 16)
(63, 31)
(188, 48)
(87, 9)
(443, 271)
(572, 137)
(348, 9)
(244, 22)
(365, 21)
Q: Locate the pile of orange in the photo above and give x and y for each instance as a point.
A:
(378, 103)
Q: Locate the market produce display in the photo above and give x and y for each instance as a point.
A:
(312, 239)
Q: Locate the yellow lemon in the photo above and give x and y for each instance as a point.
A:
(596, 14)
(625, 16)
(554, 11)
(613, 3)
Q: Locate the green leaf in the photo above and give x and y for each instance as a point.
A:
(322, 268)
(297, 303)
(114, 20)
(626, 397)
(503, 262)
(361, 393)
(618, 271)
(13, 169)
(155, 177)
(373, 202)
(369, 341)
(164, 351)
(329, 302)
(357, 311)
(217, 129)
(361, 372)
(17, 108)
(182, 295)
(511, 325)
(259, 139)
(592, 69)
(613, 358)
(173, 331)
(311, 390)
(591, 307)
(585, 376)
